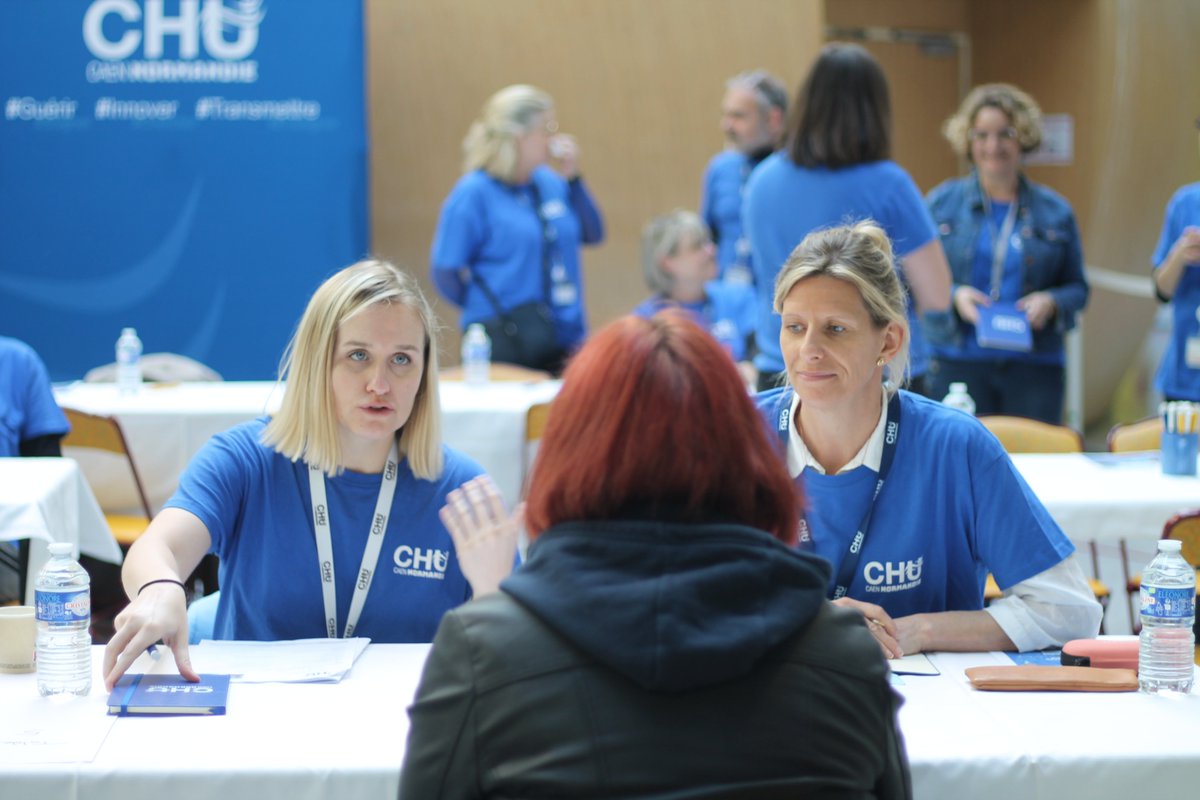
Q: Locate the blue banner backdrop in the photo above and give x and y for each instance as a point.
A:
(192, 168)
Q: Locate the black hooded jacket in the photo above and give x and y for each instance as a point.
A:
(633, 659)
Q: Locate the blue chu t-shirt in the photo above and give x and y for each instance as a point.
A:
(785, 202)
(1175, 378)
(952, 509)
(727, 313)
(721, 203)
(257, 507)
(27, 406)
(492, 227)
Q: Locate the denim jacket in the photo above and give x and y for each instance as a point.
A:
(1053, 258)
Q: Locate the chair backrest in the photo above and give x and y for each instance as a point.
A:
(1025, 435)
(95, 432)
(1131, 437)
(1185, 526)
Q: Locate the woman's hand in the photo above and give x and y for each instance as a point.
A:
(564, 155)
(159, 612)
(485, 536)
(882, 626)
(1039, 308)
(1187, 246)
(967, 300)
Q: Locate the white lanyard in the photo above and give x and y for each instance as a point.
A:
(320, 513)
(999, 240)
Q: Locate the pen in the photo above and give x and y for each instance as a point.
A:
(152, 651)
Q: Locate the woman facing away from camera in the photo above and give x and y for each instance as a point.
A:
(913, 503)
(506, 248)
(294, 505)
(834, 167)
(664, 638)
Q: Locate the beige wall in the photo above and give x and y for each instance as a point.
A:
(638, 82)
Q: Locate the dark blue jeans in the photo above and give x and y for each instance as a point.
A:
(1013, 387)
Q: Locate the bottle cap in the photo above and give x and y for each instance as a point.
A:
(61, 549)
(129, 331)
(1169, 545)
(958, 387)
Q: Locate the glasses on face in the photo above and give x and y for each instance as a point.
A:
(1008, 134)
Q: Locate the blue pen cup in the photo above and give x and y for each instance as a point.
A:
(1179, 452)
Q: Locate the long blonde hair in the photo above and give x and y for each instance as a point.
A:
(306, 426)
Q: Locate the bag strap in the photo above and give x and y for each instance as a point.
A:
(549, 238)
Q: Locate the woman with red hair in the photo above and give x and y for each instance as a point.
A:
(663, 637)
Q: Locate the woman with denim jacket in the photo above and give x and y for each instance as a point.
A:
(1014, 250)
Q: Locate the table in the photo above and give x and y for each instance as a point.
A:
(165, 424)
(347, 740)
(47, 500)
(1106, 498)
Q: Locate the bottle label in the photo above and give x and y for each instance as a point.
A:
(70, 606)
(1168, 603)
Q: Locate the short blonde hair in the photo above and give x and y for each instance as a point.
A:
(1022, 111)
(661, 238)
(861, 255)
(306, 426)
(491, 142)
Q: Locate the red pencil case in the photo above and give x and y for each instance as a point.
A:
(1105, 653)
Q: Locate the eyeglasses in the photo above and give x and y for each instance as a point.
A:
(1008, 134)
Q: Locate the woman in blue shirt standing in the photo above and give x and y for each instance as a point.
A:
(1014, 252)
(507, 243)
(1176, 264)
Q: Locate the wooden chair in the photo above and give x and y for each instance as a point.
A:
(535, 425)
(94, 432)
(1133, 437)
(1025, 435)
(500, 371)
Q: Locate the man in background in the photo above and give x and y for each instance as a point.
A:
(752, 117)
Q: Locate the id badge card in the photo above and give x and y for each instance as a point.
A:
(562, 292)
(1191, 352)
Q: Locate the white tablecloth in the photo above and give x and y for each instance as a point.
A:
(1107, 498)
(46, 500)
(165, 424)
(303, 741)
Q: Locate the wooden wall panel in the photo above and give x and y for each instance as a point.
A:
(639, 84)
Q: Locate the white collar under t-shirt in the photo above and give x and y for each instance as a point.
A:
(799, 457)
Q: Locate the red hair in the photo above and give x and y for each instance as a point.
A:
(653, 421)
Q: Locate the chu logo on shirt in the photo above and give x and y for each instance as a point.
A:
(420, 562)
(893, 576)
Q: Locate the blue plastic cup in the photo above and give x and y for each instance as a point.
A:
(1179, 452)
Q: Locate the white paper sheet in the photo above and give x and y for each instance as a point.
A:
(47, 730)
(293, 661)
(917, 664)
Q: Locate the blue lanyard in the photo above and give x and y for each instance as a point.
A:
(891, 437)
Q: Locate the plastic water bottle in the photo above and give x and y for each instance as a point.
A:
(1168, 613)
(476, 355)
(958, 398)
(129, 362)
(64, 614)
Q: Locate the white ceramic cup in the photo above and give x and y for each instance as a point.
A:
(18, 638)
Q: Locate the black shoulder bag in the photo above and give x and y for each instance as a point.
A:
(526, 334)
